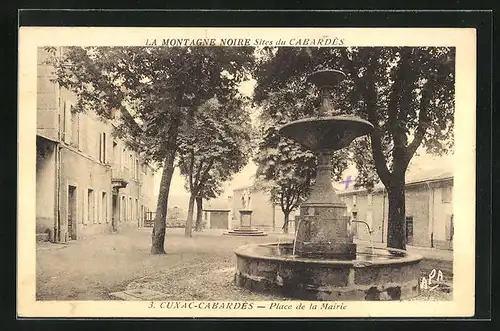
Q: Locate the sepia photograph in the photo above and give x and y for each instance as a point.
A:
(237, 173)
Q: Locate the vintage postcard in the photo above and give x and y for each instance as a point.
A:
(246, 172)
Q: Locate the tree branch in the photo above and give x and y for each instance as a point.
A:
(423, 123)
(295, 197)
(198, 172)
(370, 95)
(203, 177)
(281, 201)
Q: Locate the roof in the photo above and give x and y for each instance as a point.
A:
(216, 204)
(246, 187)
(410, 180)
(216, 210)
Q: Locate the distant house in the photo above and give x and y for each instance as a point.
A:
(429, 213)
(217, 213)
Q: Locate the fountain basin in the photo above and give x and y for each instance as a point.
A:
(375, 273)
(326, 133)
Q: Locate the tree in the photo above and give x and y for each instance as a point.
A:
(407, 93)
(215, 145)
(162, 87)
(286, 172)
(211, 189)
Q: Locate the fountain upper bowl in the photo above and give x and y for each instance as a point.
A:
(326, 133)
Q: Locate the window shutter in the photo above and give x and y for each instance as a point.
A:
(78, 133)
(95, 196)
(104, 147)
(100, 147)
(67, 122)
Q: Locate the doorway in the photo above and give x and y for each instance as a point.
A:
(104, 207)
(123, 210)
(71, 212)
(409, 230)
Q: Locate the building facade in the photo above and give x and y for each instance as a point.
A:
(429, 212)
(87, 181)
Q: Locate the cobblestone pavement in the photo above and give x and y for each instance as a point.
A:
(197, 268)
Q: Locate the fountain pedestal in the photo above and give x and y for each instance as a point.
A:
(322, 230)
(245, 219)
(245, 228)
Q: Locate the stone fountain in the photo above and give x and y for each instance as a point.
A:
(245, 228)
(323, 262)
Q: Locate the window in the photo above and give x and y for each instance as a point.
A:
(409, 229)
(66, 122)
(129, 209)
(102, 147)
(75, 129)
(91, 206)
(370, 199)
(354, 200)
(136, 169)
(123, 159)
(115, 153)
(136, 211)
(446, 192)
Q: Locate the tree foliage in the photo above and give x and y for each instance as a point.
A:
(162, 88)
(214, 145)
(407, 93)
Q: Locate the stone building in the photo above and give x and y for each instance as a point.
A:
(87, 181)
(218, 214)
(429, 213)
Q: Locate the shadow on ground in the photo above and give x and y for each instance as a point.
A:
(197, 268)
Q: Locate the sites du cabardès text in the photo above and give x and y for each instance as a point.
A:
(186, 42)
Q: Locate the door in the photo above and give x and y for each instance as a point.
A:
(409, 230)
(219, 220)
(114, 210)
(104, 207)
(71, 212)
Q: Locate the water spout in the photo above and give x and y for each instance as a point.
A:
(370, 232)
(295, 239)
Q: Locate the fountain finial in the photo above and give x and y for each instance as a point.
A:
(325, 80)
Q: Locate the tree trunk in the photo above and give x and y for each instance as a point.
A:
(158, 236)
(160, 222)
(199, 213)
(285, 225)
(189, 222)
(396, 229)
